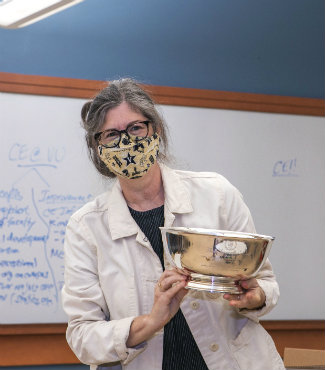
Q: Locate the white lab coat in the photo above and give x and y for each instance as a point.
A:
(111, 271)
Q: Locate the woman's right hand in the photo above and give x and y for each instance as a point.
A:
(169, 292)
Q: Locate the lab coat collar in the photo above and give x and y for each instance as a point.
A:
(177, 196)
(177, 200)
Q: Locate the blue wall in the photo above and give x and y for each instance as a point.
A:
(259, 46)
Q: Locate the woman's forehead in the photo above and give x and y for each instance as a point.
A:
(120, 116)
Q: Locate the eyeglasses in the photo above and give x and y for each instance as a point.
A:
(136, 131)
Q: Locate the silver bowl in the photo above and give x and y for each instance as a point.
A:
(215, 259)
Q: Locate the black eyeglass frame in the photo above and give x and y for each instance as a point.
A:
(120, 132)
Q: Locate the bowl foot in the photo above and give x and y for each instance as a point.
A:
(213, 284)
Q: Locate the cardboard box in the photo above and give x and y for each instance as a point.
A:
(304, 358)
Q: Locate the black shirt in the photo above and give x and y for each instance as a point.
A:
(180, 349)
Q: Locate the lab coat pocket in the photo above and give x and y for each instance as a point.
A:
(254, 349)
(120, 296)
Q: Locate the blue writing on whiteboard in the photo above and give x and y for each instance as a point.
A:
(49, 198)
(285, 168)
(12, 194)
(33, 219)
(27, 156)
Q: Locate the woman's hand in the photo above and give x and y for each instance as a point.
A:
(169, 292)
(253, 296)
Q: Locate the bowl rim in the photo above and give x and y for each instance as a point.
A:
(215, 232)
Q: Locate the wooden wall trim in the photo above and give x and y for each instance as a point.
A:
(86, 89)
(45, 344)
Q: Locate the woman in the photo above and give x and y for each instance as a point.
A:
(128, 309)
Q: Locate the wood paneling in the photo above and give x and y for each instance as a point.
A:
(86, 89)
(308, 334)
(44, 344)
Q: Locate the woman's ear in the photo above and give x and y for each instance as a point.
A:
(99, 150)
(157, 130)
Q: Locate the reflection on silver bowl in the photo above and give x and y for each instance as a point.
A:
(215, 259)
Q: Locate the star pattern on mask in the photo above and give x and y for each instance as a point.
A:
(129, 159)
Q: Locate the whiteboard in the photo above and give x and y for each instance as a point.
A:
(276, 161)
(46, 177)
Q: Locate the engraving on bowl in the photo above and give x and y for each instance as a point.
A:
(230, 246)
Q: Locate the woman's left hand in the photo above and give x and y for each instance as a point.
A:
(253, 296)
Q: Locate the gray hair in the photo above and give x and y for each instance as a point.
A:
(94, 112)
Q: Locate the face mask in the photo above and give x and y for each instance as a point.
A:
(132, 160)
